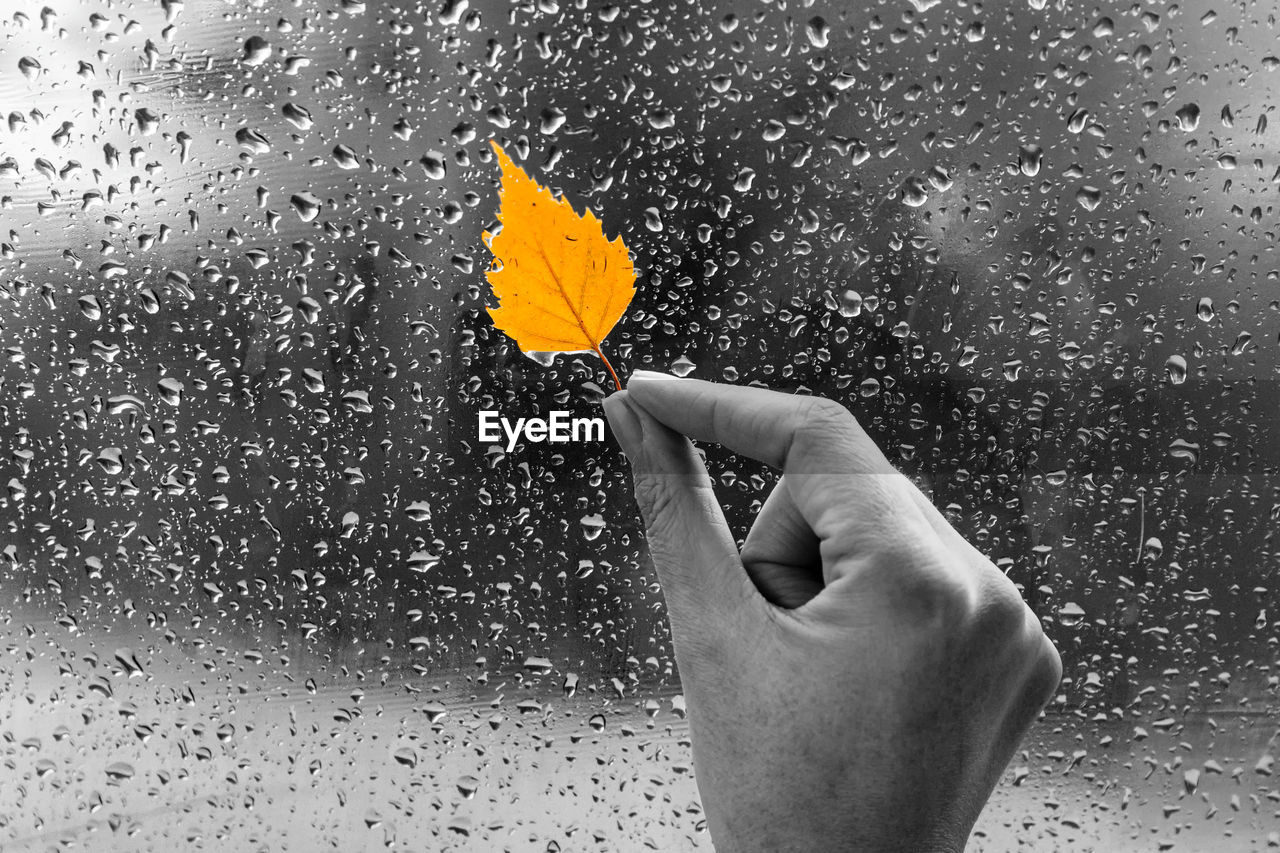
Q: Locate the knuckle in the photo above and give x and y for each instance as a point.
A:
(1048, 671)
(1001, 613)
(823, 415)
(909, 547)
(938, 606)
(1042, 664)
(656, 500)
(1041, 680)
(930, 588)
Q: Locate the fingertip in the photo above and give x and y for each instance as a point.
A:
(650, 446)
(643, 376)
(624, 422)
(658, 395)
(645, 382)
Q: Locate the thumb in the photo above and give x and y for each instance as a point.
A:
(702, 577)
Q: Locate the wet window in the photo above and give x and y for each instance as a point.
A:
(263, 586)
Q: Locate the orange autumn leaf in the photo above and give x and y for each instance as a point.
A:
(561, 284)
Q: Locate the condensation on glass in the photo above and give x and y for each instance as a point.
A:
(262, 588)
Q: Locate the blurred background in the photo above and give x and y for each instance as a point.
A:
(262, 589)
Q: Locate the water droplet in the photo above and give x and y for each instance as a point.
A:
(112, 269)
(252, 141)
(433, 165)
(914, 193)
(940, 179)
(119, 771)
(257, 50)
(661, 118)
(91, 307)
(592, 526)
(111, 459)
(345, 157)
(682, 366)
(817, 31)
(306, 205)
(545, 358)
(30, 67)
(538, 665)
(1070, 615)
(1029, 159)
(551, 120)
(148, 122)
(850, 303)
(1188, 117)
(467, 786)
(422, 561)
(1089, 197)
(297, 115)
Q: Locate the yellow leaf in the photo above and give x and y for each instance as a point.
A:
(561, 284)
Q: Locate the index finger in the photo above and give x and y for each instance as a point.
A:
(788, 431)
(842, 484)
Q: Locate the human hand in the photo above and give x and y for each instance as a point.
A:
(858, 676)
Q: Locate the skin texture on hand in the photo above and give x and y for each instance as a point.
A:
(858, 675)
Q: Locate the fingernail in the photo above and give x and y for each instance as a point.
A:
(648, 376)
(624, 422)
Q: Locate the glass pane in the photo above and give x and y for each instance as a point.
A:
(263, 587)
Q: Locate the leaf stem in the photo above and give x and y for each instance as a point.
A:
(610, 366)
